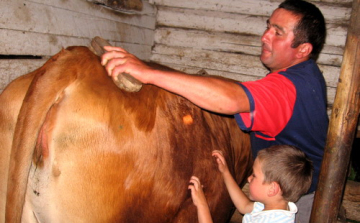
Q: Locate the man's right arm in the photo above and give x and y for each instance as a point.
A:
(211, 93)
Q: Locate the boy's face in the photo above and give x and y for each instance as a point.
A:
(257, 187)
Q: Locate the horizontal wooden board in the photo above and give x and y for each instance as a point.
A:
(42, 44)
(211, 20)
(230, 42)
(14, 42)
(232, 23)
(217, 41)
(146, 18)
(247, 7)
(11, 69)
(44, 27)
(39, 18)
(250, 65)
(123, 6)
(333, 13)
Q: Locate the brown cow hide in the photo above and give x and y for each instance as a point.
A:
(82, 150)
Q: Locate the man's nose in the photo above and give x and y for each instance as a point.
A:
(266, 36)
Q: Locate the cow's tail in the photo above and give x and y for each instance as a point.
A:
(48, 83)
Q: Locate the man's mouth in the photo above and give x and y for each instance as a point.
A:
(265, 49)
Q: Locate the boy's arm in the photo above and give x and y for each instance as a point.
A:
(199, 200)
(204, 215)
(242, 203)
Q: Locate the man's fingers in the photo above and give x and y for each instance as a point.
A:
(112, 54)
(113, 67)
(114, 48)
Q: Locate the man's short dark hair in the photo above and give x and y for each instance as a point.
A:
(311, 26)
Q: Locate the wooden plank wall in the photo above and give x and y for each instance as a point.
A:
(39, 29)
(219, 37)
(223, 37)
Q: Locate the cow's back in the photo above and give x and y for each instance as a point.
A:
(105, 155)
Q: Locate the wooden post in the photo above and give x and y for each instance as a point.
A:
(342, 128)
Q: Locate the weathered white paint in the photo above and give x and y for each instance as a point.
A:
(334, 13)
(44, 27)
(230, 42)
(51, 21)
(232, 23)
(11, 69)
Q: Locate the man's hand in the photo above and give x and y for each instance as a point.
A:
(117, 61)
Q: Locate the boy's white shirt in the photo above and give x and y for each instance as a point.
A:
(278, 216)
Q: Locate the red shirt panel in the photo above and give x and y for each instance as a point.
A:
(274, 98)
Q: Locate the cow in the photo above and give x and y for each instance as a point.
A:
(76, 148)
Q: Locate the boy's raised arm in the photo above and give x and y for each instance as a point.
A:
(242, 203)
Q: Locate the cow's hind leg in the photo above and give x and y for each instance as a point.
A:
(10, 103)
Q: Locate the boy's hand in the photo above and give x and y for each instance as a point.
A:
(197, 192)
(220, 159)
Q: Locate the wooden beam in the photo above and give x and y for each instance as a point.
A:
(120, 5)
(342, 128)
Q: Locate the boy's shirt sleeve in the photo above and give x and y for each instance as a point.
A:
(272, 100)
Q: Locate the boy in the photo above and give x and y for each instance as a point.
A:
(281, 174)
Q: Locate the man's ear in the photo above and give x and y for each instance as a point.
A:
(304, 50)
(274, 189)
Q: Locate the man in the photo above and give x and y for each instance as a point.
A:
(288, 106)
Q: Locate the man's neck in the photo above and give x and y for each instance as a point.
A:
(284, 68)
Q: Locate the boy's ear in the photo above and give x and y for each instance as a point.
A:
(274, 189)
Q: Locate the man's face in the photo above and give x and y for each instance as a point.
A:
(277, 39)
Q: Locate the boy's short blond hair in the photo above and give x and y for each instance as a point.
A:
(289, 167)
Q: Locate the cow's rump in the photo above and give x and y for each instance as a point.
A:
(86, 151)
